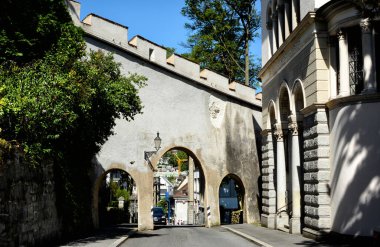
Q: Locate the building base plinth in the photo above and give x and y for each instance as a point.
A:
(314, 234)
(282, 221)
(268, 220)
(295, 225)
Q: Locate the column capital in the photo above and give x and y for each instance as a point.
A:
(366, 25)
(293, 128)
(341, 34)
(278, 134)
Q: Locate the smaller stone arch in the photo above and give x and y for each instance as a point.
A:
(298, 98)
(272, 114)
(284, 103)
(96, 189)
(232, 200)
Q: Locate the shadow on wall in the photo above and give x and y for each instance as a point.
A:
(258, 139)
(355, 183)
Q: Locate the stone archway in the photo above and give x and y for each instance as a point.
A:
(296, 159)
(283, 180)
(231, 200)
(125, 211)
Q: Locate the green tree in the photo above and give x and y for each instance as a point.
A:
(176, 156)
(221, 31)
(163, 204)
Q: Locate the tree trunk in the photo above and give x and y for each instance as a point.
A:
(247, 58)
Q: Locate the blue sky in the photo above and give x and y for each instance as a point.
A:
(160, 21)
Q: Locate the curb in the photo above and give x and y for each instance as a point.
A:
(121, 240)
(249, 238)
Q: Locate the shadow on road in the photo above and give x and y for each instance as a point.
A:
(106, 233)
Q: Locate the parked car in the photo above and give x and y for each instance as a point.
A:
(158, 215)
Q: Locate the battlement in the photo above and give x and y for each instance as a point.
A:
(117, 34)
(106, 29)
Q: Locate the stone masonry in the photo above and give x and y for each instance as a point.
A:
(268, 188)
(316, 172)
(28, 214)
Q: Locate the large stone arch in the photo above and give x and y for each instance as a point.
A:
(196, 162)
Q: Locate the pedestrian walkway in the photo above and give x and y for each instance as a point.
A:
(112, 236)
(274, 238)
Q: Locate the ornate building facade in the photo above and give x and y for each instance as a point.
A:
(321, 121)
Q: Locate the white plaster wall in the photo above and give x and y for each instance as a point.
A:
(181, 212)
(355, 167)
(187, 115)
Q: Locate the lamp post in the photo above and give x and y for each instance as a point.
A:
(157, 146)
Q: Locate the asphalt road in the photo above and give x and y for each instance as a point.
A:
(187, 237)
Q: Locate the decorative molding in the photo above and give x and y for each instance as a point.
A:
(293, 128)
(341, 35)
(306, 21)
(278, 133)
(312, 109)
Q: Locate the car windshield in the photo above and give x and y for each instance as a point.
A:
(158, 211)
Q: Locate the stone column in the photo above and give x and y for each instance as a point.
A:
(275, 32)
(295, 221)
(190, 183)
(294, 14)
(369, 69)
(344, 80)
(288, 19)
(282, 217)
(280, 12)
(333, 68)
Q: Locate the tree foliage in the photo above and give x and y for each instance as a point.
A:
(62, 100)
(176, 156)
(221, 31)
(57, 101)
(30, 28)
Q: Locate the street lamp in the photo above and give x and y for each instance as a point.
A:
(157, 146)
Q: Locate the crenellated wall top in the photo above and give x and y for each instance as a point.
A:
(117, 35)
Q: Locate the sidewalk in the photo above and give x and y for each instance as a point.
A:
(274, 238)
(107, 237)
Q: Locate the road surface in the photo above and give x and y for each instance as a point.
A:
(187, 237)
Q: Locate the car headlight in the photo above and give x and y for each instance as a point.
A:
(163, 217)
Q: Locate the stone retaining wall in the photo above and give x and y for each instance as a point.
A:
(28, 214)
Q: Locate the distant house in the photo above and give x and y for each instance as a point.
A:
(165, 186)
(180, 197)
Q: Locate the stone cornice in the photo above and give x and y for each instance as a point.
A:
(309, 19)
(312, 108)
(352, 100)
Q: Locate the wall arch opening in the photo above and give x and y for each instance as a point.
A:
(231, 200)
(179, 187)
(115, 198)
